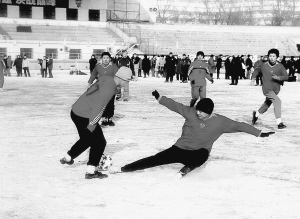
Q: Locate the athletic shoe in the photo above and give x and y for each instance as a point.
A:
(95, 175)
(114, 170)
(64, 161)
(254, 118)
(110, 123)
(281, 126)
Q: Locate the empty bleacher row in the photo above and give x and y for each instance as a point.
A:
(213, 40)
(62, 33)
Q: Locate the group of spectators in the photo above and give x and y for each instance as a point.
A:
(157, 66)
(236, 67)
(20, 63)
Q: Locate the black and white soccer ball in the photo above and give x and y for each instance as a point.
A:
(105, 163)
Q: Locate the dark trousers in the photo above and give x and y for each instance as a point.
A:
(184, 76)
(87, 139)
(170, 75)
(19, 71)
(218, 72)
(50, 73)
(173, 154)
(146, 72)
(259, 78)
(44, 72)
(109, 109)
(140, 72)
(26, 70)
(234, 79)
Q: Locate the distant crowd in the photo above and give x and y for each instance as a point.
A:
(22, 66)
(169, 66)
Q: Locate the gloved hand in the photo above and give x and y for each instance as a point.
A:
(155, 94)
(266, 134)
(212, 81)
(193, 82)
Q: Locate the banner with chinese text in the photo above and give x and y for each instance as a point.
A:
(37, 3)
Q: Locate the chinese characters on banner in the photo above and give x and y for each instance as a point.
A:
(38, 3)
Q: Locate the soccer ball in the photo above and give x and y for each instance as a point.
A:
(105, 163)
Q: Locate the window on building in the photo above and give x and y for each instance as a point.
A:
(25, 11)
(51, 52)
(75, 53)
(72, 14)
(3, 51)
(98, 52)
(94, 15)
(49, 13)
(3, 10)
(27, 52)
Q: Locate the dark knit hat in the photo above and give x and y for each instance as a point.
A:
(205, 105)
(200, 53)
(105, 54)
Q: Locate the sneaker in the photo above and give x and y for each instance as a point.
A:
(64, 161)
(110, 123)
(114, 170)
(281, 126)
(95, 175)
(254, 118)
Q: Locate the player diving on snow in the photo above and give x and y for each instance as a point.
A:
(201, 129)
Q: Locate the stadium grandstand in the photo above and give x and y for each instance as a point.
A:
(75, 29)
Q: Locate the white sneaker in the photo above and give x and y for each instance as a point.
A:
(114, 170)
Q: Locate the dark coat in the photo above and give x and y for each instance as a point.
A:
(93, 63)
(146, 65)
(171, 63)
(219, 63)
(18, 63)
(249, 63)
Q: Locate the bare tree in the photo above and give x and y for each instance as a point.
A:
(163, 12)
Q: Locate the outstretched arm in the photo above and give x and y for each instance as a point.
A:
(230, 126)
(172, 104)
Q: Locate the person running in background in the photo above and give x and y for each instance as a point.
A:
(198, 71)
(273, 75)
(201, 129)
(105, 67)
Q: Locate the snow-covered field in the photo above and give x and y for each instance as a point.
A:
(245, 176)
